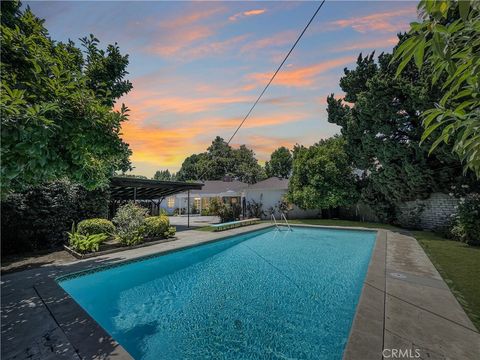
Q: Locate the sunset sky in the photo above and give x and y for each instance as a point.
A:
(197, 67)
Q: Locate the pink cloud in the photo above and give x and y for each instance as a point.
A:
(301, 76)
(247, 13)
(381, 21)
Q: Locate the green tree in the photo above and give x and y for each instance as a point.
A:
(164, 175)
(280, 164)
(56, 104)
(447, 41)
(382, 129)
(220, 160)
(322, 177)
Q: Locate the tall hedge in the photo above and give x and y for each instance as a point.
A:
(39, 217)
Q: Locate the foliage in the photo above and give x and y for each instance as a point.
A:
(280, 164)
(220, 160)
(322, 176)
(129, 222)
(226, 212)
(171, 231)
(85, 243)
(56, 104)
(205, 212)
(134, 176)
(448, 42)
(254, 209)
(95, 226)
(283, 206)
(467, 220)
(164, 175)
(156, 227)
(380, 122)
(39, 217)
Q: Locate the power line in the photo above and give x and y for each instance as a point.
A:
(276, 72)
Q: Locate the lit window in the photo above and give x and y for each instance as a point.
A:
(171, 202)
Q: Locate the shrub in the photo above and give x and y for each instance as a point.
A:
(85, 243)
(254, 209)
(466, 226)
(96, 226)
(156, 226)
(171, 231)
(129, 222)
(205, 212)
(40, 217)
(226, 212)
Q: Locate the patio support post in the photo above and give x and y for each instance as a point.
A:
(188, 208)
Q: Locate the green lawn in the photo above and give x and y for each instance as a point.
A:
(459, 266)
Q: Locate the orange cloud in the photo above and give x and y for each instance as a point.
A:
(382, 21)
(183, 105)
(302, 76)
(247, 13)
(168, 146)
(368, 44)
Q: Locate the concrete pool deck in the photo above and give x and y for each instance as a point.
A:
(405, 305)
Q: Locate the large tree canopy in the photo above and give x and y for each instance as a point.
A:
(447, 41)
(56, 103)
(382, 129)
(280, 164)
(322, 176)
(220, 160)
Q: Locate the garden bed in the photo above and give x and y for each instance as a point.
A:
(110, 248)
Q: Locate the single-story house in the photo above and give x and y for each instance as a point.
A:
(229, 191)
(269, 193)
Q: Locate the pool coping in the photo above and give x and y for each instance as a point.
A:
(366, 339)
(90, 340)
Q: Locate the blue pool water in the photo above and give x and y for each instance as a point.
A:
(262, 295)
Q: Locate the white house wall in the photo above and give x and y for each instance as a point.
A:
(271, 198)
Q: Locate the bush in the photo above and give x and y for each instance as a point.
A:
(466, 226)
(205, 212)
(171, 231)
(226, 212)
(96, 226)
(40, 217)
(254, 209)
(85, 243)
(156, 226)
(129, 222)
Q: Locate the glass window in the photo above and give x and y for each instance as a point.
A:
(205, 202)
(171, 202)
(196, 203)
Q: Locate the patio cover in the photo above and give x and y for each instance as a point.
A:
(126, 188)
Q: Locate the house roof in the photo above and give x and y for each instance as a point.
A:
(273, 183)
(123, 188)
(220, 187)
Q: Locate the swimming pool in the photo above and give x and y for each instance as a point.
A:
(262, 295)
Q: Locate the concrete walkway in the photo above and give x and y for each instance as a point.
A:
(418, 310)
